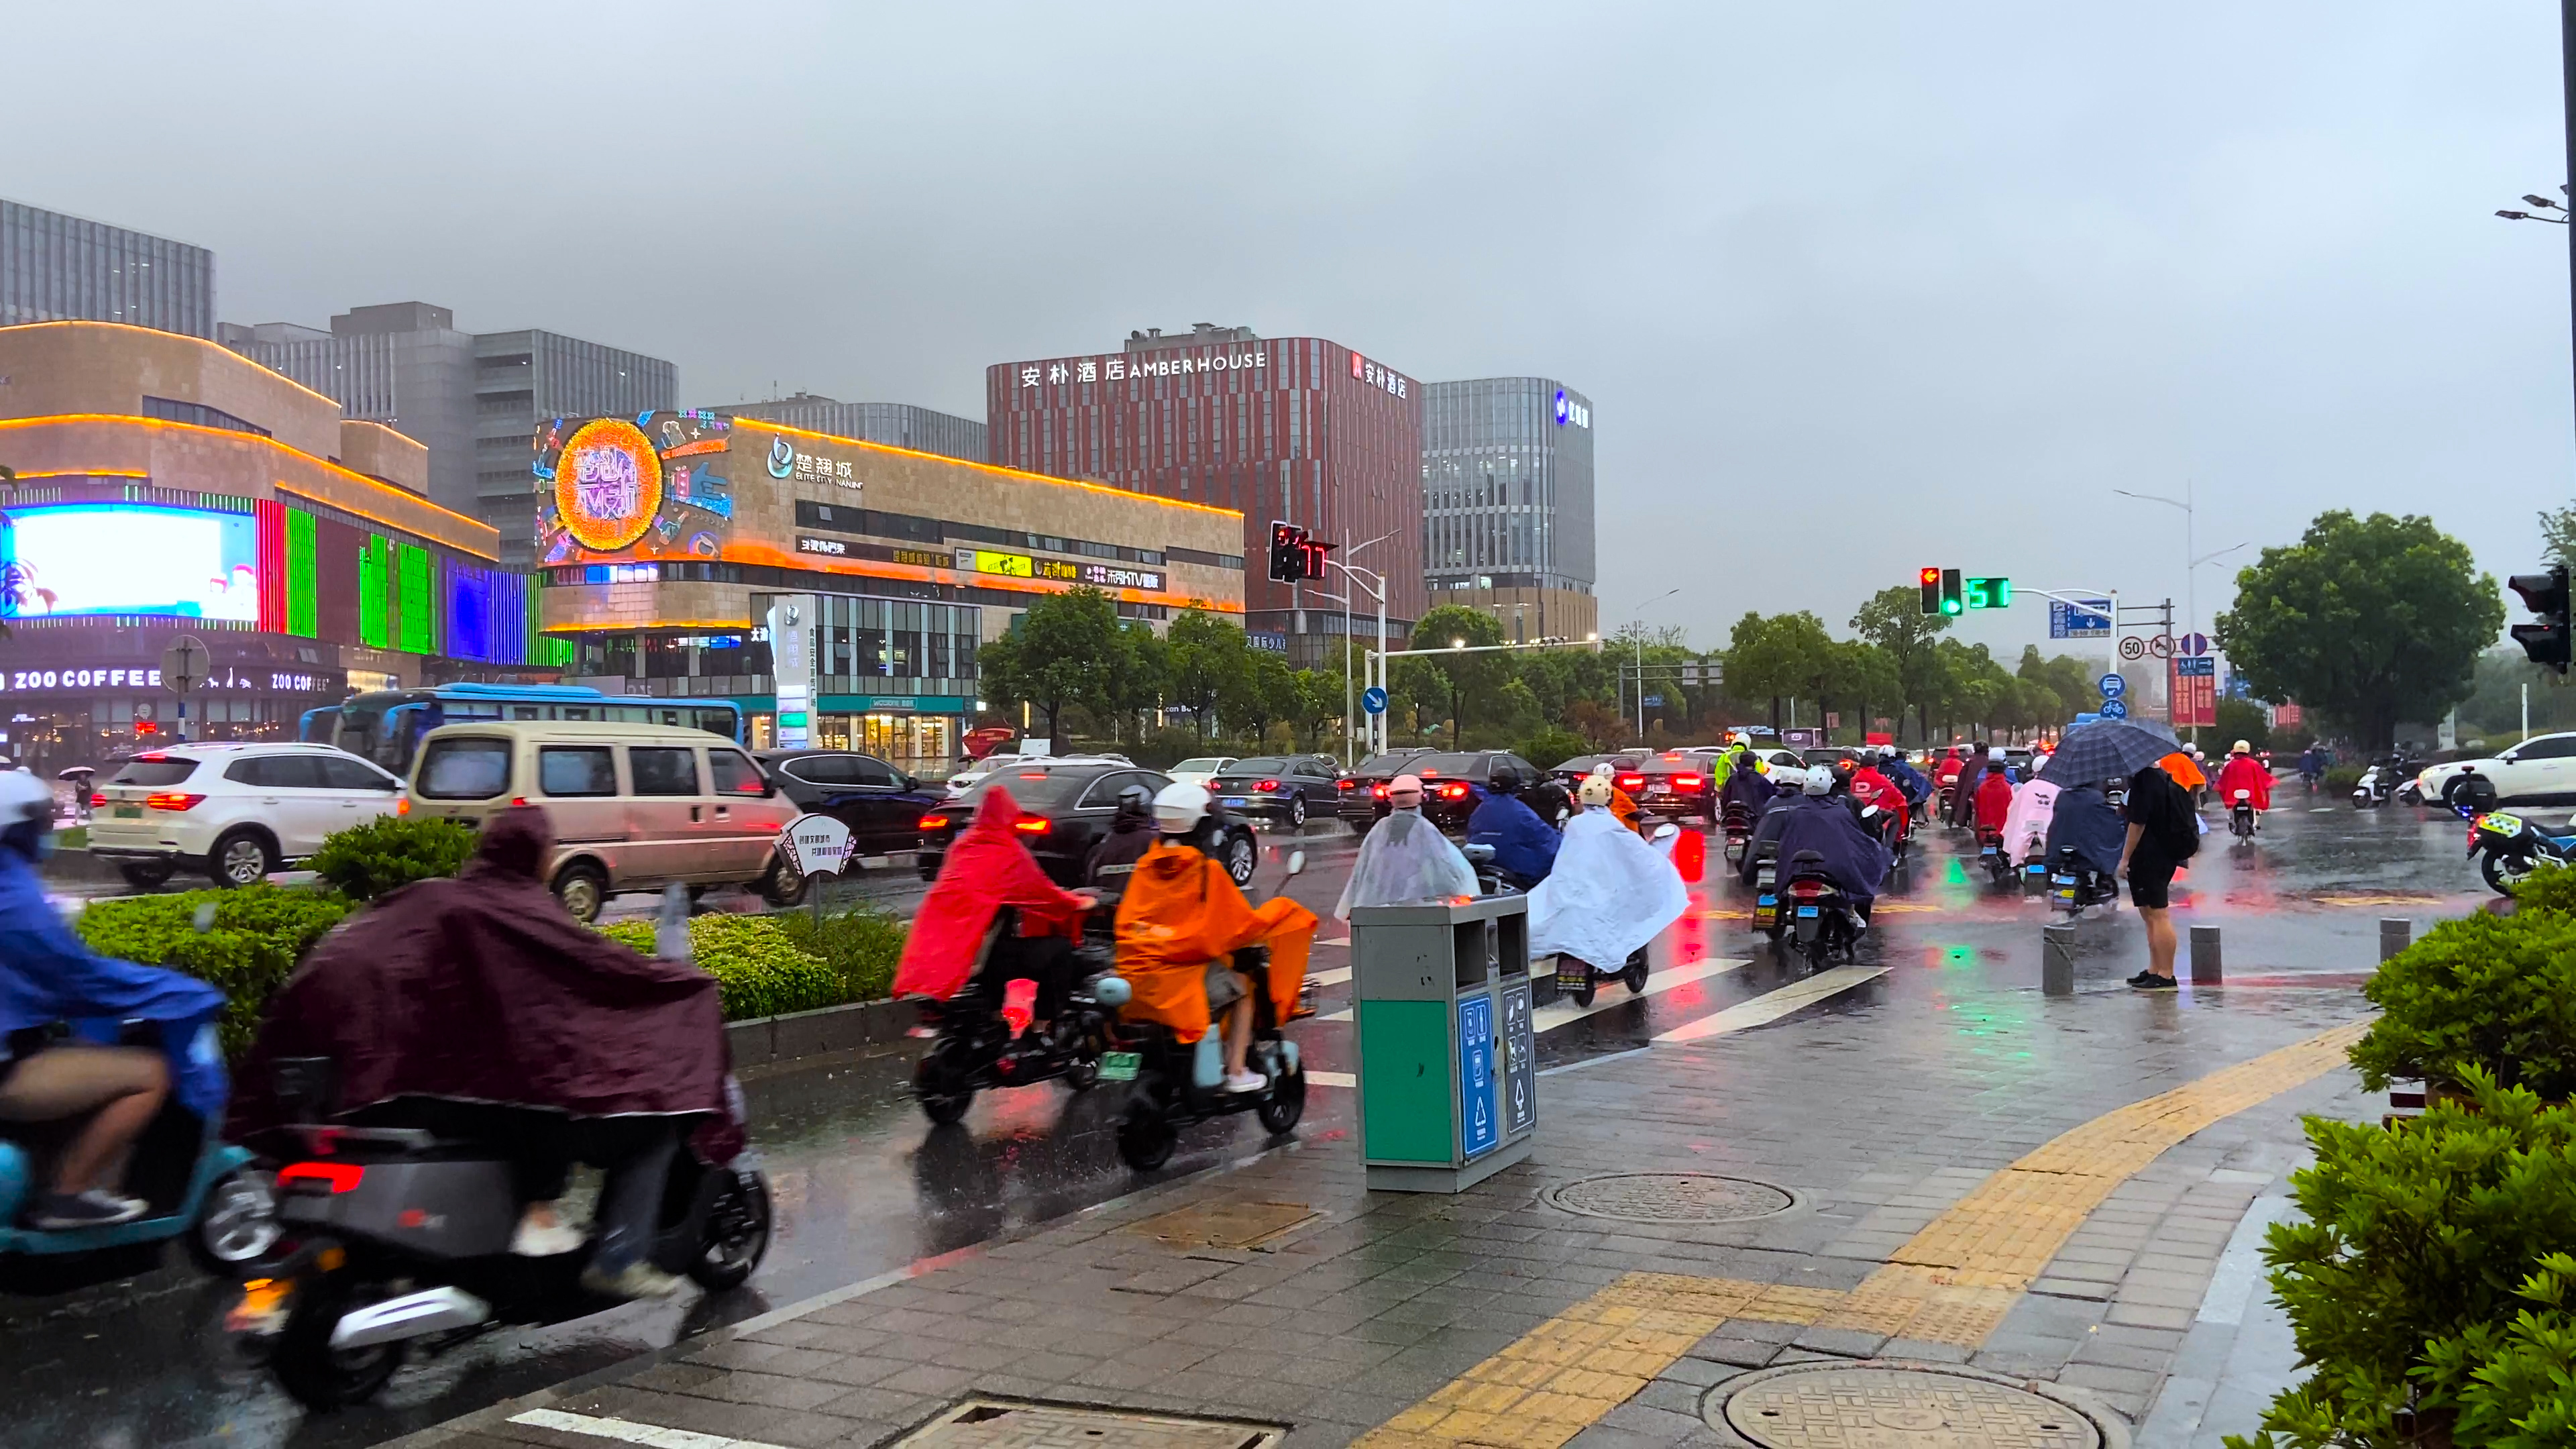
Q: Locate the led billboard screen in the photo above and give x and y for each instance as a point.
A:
(130, 558)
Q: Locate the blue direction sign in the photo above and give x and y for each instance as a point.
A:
(2115, 709)
(2199, 665)
(1373, 700)
(2083, 619)
(2113, 686)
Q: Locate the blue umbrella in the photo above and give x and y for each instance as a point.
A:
(2107, 749)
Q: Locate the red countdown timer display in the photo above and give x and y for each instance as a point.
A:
(608, 484)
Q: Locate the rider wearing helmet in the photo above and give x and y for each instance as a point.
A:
(48, 975)
(1871, 787)
(1893, 764)
(1994, 797)
(1130, 834)
(1178, 904)
(1814, 820)
(1524, 845)
(2246, 773)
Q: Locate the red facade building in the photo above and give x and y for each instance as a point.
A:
(1293, 429)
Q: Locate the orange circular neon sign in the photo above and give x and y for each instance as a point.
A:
(608, 484)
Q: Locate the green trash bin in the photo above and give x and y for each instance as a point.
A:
(1448, 1070)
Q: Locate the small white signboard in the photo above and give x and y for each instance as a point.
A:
(815, 844)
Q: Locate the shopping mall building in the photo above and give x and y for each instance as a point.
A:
(167, 486)
(680, 552)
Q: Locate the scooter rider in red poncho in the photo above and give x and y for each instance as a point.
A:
(1994, 794)
(2244, 772)
(988, 868)
(1870, 787)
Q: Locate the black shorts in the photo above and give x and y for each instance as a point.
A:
(2150, 878)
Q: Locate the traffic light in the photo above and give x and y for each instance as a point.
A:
(1931, 591)
(2546, 595)
(1951, 603)
(1294, 555)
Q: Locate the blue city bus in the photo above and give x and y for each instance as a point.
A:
(385, 725)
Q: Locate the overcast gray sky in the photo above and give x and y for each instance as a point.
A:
(1853, 287)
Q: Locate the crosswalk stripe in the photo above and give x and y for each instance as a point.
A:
(1331, 1079)
(629, 1432)
(1547, 1018)
(1334, 977)
(1774, 1005)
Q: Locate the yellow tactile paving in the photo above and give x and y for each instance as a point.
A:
(1951, 1283)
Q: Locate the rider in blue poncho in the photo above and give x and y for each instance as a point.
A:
(1523, 844)
(48, 975)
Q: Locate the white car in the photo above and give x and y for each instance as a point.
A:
(235, 811)
(2539, 771)
(1201, 770)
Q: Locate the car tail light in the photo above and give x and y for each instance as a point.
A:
(403, 806)
(934, 822)
(1377, 792)
(338, 1177)
(1454, 790)
(155, 757)
(1687, 782)
(1268, 787)
(173, 800)
(96, 799)
(1347, 785)
(1033, 825)
(1632, 783)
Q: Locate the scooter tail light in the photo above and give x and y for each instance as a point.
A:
(337, 1177)
(1806, 890)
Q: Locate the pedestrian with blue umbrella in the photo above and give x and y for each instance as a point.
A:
(2164, 830)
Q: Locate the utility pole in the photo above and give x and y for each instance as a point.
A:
(2567, 83)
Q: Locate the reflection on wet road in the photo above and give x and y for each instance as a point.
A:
(864, 1185)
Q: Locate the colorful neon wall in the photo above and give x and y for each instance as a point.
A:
(322, 579)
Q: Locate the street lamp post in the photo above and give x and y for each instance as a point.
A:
(2542, 204)
(1639, 623)
(1377, 726)
(1349, 550)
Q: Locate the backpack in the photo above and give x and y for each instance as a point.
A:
(2175, 829)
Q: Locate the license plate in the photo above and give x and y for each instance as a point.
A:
(129, 812)
(1573, 978)
(1118, 1066)
(1806, 911)
(1234, 802)
(2064, 880)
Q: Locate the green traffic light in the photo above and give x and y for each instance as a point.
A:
(1950, 606)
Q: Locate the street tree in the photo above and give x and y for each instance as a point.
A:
(2371, 620)
(1476, 679)
(1264, 693)
(1206, 658)
(1066, 651)
(1893, 619)
(1777, 656)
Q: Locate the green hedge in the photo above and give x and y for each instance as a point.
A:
(391, 851)
(2428, 1284)
(761, 968)
(2495, 994)
(259, 934)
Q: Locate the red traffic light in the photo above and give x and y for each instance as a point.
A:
(1932, 578)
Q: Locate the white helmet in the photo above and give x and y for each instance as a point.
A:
(1180, 807)
(23, 797)
(1819, 782)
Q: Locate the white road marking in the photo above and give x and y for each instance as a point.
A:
(1334, 941)
(1334, 977)
(628, 1432)
(1775, 1005)
(1331, 1079)
(1548, 1018)
(2321, 810)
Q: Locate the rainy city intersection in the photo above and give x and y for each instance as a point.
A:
(1737, 1053)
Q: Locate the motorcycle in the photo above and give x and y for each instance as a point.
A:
(2383, 780)
(207, 1193)
(1990, 854)
(2074, 884)
(2509, 847)
(1582, 980)
(1823, 914)
(1737, 823)
(1176, 1084)
(2240, 815)
(984, 1039)
(401, 1240)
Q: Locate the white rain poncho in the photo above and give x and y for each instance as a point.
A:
(1609, 894)
(1405, 858)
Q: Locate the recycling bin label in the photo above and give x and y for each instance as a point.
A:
(1520, 1061)
(1478, 1131)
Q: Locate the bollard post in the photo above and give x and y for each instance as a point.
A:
(2057, 960)
(2205, 970)
(2395, 934)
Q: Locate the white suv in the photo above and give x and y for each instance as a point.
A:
(2539, 771)
(234, 811)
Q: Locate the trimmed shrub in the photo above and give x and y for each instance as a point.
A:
(391, 851)
(260, 934)
(2403, 1286)
(860, 946)
(2486, 993)
(2547, 889)
(762, 970)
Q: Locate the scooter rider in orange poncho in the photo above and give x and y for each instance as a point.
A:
(1181, 920)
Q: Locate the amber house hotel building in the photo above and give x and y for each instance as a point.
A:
(1294, 429)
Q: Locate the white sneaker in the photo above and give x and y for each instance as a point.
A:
(1246, 1082)
(544, 1238)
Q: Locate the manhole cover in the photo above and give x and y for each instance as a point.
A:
(1670, 1197)
(1223, 1224)
(995, 1424)
(1877, 1407)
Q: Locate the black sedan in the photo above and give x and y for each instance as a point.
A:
(1064, 811)
(1453, 782)
(1281, 787)
(881, 804)
(1674, 785)
(1362, 792)
(1571, 773)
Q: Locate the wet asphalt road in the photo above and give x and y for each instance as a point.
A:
(863, 1185)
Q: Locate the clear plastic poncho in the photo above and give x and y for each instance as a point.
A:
(1610, 893)
(1405, 858)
